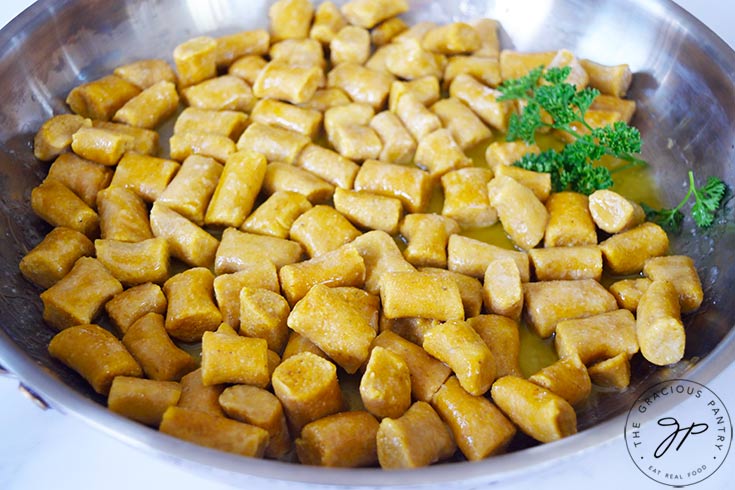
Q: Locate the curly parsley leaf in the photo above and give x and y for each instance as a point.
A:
(548, 93)
(707, 200)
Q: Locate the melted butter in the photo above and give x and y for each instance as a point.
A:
(535, 353)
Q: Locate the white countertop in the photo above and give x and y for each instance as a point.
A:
(48, 450)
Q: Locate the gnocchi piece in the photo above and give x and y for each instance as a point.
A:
(465, 127)
(145, 175)
(215, 432)
(427, 373)
(408, 60)
(238, 251)
(507, 152)
(294, 84)
(439, 153)
(384, 32)
(369, 13)
(101, 145)
(227, 288)
(380, 255)
(224, 123)
(196, 60)
(307, 386)
(135, 263)
(351, 44)
(471, 257)
(191, 189)
(234, 359)
(184, 145)
(575, 262)
(567, 378)
(385, 387)
(78, 298)
(341, 267)
(458, 345)
(150, 345)
(452, 38)
(308, 230)
(628, 292)
(355, 141)
(52, 259)
(611, 373)
(248, 68)
(597, 337)
(236, 189)
(244, 43)
(298, 343)
(680, 271)
(659, 329)
(368, 210)
(487, 29)
(276, 144)
(627, 252)
(142, 400)
(287, 116)
(346, 439)
(261, 408)
(578, 75)
(537, 411)
(123, 215)
(470, 289)
(276, 215)
(398, 144)
(282, 177)
(482, 100)
(223, 93)
(326, 98)
(523, 216)
(146, 73)
(549, 302)
(328, 21)
(127, 307)
(427, 236)
(96, 354)
(570, 222)
(417, 438)
(501, 335)
(196, 396)
(502, 290)
(465, 197)
(290, 19)
(334, 325)
(191, 310)
(611, 80)
(414, 115)
(485, 69)
(151, 107)
(145, 141)
(101, 98)
(419, 294)
(411, 185)
(263, 314)
(186, 241)
(54, 136)
(479, 427)
(515, 64)
(538, 182)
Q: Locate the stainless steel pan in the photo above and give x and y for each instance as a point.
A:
(685, 88)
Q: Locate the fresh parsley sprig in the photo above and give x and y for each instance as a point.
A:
(707, 200)
(573, 167)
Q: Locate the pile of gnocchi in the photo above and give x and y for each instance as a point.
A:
(309, 225)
